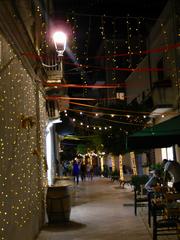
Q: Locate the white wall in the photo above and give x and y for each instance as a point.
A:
(138, 82)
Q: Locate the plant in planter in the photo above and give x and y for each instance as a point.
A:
(139, 180)
(157, 166)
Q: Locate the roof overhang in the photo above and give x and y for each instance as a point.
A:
(159, 111)
(164, 134)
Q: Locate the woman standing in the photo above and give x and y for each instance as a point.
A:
(76, 171)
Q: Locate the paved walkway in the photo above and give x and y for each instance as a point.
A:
(101, 210)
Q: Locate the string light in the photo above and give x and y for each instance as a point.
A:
(23, 175)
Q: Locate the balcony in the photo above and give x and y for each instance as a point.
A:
(54, 71)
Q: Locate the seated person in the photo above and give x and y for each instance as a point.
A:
(154, 180)
(173, 168)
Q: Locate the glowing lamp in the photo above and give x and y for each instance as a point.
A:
(59, 39)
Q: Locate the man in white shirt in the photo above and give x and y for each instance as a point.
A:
(173, 168)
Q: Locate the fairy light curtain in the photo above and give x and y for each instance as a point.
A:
(102, 28)
(22, 173)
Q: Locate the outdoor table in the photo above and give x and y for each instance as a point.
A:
(58, 200)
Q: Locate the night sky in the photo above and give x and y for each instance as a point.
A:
(90, 23)
(143, 8)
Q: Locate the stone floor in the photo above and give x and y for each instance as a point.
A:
(101, 210)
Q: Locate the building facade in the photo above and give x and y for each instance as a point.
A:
(23, 119)
(155, 81)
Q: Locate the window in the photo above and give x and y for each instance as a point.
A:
(167, 153)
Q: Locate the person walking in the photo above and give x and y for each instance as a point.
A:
(89, 170)
(76, 171)
(83, 172)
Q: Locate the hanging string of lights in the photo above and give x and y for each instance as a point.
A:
(117, 68)
(77, 98)
(80, 123)
(98, 114)
(59, 85)
(164, 48)
(109, 16)
(144, 113)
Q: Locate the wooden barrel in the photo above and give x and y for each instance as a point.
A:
(58, 204)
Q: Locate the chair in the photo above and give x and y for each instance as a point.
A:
(140, 198)
(126, 180)
(166, 216)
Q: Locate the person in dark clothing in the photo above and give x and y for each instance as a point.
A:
(83, 172)
(154, 180)
(76, 171)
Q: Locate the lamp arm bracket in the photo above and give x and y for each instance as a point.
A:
(45, 65)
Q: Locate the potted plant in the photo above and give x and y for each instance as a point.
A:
(139, 180)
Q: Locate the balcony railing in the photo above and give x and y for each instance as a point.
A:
(54, 69)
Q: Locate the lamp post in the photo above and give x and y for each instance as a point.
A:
(59, 40)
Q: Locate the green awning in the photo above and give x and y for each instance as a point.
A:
(163, 134)
(71, 137)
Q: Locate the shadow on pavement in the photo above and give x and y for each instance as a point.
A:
(67, 226)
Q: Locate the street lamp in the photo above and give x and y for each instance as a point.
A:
(59, 39)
